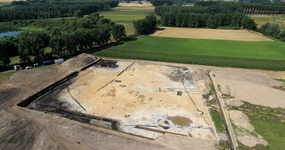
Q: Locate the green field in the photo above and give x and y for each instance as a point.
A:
(262, 50)
(126, 14)
(4, 4)
(31, 28)
(241, 54)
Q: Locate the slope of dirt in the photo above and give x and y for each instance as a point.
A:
(79, 61)
(215, 34)
(251, 88)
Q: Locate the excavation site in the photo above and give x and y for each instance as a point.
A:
(98, 103)
(143, 99)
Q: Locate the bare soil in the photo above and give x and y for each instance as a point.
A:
(135, 4)
(215, 34)
(251, 88)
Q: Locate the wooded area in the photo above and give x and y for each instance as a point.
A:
(226, 14)
(20, 10)
(94, 30)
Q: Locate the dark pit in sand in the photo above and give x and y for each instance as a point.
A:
(109, 64)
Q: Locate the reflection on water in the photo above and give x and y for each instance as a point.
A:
(10, 33)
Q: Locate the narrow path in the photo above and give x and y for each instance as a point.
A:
(225, 116)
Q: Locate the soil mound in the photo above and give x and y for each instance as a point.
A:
(241, 120)
(79, 61)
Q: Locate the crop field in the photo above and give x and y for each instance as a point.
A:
(216, 34)
(125, 14)
(3, 4)
(261, 50)
(263, 19)
(242, 54)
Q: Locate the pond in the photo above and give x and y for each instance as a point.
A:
(10, 33)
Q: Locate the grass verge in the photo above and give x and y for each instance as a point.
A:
(218, 121)
(4, 76)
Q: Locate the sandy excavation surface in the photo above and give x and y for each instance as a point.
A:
(215, 34)
(250, 87)
(142, 95)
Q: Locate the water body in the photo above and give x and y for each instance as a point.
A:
(10, 33)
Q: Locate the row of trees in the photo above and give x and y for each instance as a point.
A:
(144, 26)
(30, 46)
(41, 10)
(273, 30)
(248, 8)
(262, 8)
(195, 20)
(161, 2)
(219, 8)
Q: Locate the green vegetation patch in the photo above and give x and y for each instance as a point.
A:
(119, 52)
(4, 76)
(4, 4)
(268, 122)
(127, 14)
(243, 49)
(218, 121)
(31, 28)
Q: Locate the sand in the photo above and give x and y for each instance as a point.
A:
(214, 34)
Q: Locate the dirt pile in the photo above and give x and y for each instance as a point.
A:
(79, 61)
(241, 120)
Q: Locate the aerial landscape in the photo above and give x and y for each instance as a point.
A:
(159, 74)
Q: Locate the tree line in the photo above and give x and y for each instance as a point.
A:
(144, 26)
(212, 17)
(235, 20)
(220, 8)
(41, 9)
(30, 46)
(273, 30)
(161, 2)
(261, 7)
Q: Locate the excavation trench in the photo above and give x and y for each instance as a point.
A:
(54, 106)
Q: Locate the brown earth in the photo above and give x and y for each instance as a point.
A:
(215, 34)
(135, 4)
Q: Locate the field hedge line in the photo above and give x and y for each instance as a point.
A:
(221, 61)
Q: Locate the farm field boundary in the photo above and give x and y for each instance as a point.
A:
(215, 34)
(264, 64)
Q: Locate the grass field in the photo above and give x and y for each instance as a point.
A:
(4, 4)
(240, 54)
(126, 14)
(31, 28)
(262, 50)
(263, 19)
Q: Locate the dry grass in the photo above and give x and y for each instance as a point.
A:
(216, 34)
(135, 4)
(263, 19)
